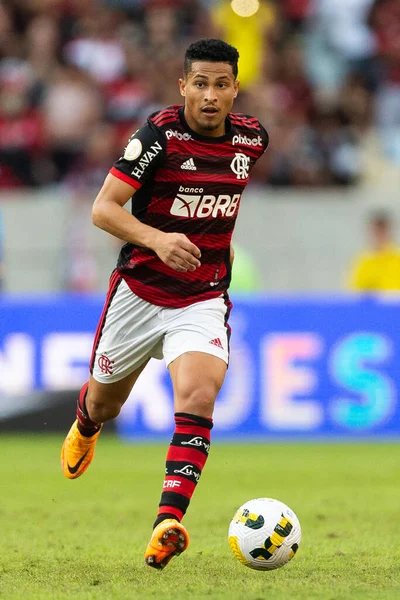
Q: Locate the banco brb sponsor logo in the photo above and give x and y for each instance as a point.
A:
(200, 205)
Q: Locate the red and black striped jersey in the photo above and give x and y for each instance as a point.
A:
(192, 184)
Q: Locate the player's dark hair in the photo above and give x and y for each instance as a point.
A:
(211, 50)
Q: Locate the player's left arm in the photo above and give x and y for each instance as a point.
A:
(231, 254)
(264, 137)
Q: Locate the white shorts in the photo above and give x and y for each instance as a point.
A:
(132, 330)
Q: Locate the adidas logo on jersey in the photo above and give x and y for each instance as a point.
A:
(189, 165)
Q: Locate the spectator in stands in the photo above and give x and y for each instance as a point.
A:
(385, 21)
(163, 43)
(87, 173)
(334, 143)
(117, 51)
(79, 262)
(163, 30)
(43, 50)
(322, 153)
(251, 35)
(295, 13)
(378, 268)
(21, 128)
(292, 90)
(72, 108)
(2, 268)
(338, 41)
(9, 40)
(97, 49)
(284, 92)
(128, 98)
(356, 103)
(310, 146)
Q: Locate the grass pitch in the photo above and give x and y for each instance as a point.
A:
(85, 539)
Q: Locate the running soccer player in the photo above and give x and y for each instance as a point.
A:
(185, 171)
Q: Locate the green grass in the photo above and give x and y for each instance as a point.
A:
(85, 539)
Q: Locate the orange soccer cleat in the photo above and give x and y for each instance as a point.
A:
(168, 539)
(77, 452)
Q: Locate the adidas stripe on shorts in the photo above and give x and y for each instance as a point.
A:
(132, 330)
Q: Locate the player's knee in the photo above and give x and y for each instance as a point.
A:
(198, 401)
(101, 411)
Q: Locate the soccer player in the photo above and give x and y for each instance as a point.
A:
(185, 171)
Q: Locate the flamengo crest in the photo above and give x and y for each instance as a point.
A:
(105, 364)
(240, 165)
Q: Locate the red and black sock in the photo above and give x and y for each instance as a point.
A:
(186, 458)
(86, 426)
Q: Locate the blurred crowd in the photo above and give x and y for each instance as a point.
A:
(77, 77)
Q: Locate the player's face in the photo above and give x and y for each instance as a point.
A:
(209, 91)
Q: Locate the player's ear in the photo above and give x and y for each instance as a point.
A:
(182, 87)
(236, 84)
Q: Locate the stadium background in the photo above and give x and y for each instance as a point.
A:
(309, 413)
(76, 78)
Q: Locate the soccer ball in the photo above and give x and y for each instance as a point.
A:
(264, 534)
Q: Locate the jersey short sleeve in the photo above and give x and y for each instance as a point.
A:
(143, 155)
(265, 137)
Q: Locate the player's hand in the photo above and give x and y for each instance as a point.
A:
(177, 251)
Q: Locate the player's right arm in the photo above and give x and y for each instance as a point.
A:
(108, 212)
(174, 249)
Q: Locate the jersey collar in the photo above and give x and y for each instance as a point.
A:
(206, 138)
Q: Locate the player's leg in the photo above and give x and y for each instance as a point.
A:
(197, 379)
(197, 362)
(97, 403)
(126, 337)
